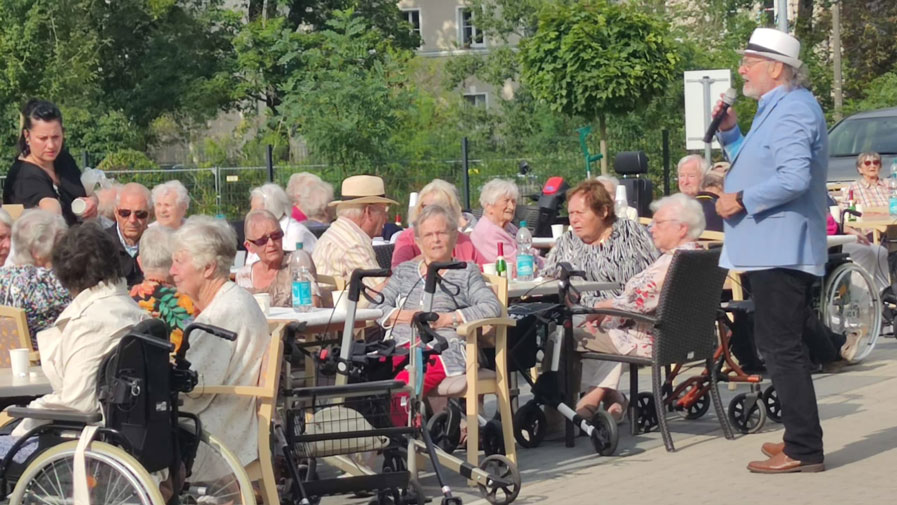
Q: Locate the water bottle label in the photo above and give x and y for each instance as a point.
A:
(301, 294)
(892, 206)
(524, 266)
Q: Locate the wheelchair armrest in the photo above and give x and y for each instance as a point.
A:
(635, 316)
(467, 328)
(62, 415)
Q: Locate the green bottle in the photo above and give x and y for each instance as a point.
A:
(501, 266)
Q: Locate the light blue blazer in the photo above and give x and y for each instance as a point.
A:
(781, 165)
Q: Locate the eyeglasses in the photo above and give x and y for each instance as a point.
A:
(655, 223)
(872, 162)
(750, 62)
(139, 214)
(261, 241)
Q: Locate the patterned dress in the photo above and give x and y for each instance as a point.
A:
(164, 302)
(627, 251)
(37, 291)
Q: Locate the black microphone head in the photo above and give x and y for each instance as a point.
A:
(730, 96)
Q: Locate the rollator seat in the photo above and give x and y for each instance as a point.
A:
(457, 385)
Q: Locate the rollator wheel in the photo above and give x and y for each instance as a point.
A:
(530, 425)
(747, 412)
(699, 407)
(773, 406)
(493, 440)
(114, 477)
(394, 461)
(442, 434)
(605, 435)
(647, 414)
(217, 476)
(413, 495)
(497, 466)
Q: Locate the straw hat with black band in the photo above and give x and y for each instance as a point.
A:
(774, 45)
(361, 190)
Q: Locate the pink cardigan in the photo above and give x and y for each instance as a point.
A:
(406, 249)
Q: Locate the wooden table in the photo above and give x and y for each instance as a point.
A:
(546, 286)
(877, 223)
(321, 320)
(34, 384)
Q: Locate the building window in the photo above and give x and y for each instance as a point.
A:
(476, 99)
(469, 34)
(412, 16)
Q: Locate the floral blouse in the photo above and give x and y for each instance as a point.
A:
(164, 302)
(37, 291)
(641, 294)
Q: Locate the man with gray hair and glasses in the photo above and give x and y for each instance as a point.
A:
(774, 207)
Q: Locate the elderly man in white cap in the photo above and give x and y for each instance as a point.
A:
(774, 206)
(361, 212)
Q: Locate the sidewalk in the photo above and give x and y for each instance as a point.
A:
(859, 417)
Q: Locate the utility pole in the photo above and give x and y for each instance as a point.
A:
(782, 15)
(837, 89)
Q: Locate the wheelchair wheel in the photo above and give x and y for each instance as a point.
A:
(647, 414)
(772, 403)
(747, 412)
(493, 440)
(851, 302)
(114, 477)
(217, 476)
(530, 425)
(444, 435)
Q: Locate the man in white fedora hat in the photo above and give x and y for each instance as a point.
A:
(361, 212)
(774, 207)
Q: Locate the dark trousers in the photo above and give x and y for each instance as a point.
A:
(781, 302)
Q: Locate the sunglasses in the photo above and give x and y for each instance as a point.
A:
(261, 241)
(139, 214)
(872, 162)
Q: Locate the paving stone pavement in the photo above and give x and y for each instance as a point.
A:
(858, 407)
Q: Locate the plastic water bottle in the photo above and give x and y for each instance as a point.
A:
(525, 260)
(892, 189)
(303, 281)
(621, 203)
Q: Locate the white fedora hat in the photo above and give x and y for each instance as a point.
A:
(359, 189)
(775, 45)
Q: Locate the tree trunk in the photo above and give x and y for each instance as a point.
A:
(602, 127)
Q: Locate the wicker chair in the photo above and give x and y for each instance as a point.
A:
(684, 330)
(384, 254)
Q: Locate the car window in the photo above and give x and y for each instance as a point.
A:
(854, 136)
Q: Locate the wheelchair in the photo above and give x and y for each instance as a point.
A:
(142, 443)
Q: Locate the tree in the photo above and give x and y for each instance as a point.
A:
(593, 58)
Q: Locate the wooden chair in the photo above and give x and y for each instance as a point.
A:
(14, 210)
(477, 381)
(265, 393)
(14, 334)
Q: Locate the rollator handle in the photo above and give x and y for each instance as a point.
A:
(567, 271)
(422, 322)
(852, 212)
(433, 273)
(355, 284)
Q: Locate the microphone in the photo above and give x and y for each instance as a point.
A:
(728, 100)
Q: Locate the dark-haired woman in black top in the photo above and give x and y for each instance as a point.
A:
(45, 175)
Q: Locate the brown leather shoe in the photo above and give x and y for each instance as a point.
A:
(770, 449)
(780, 463)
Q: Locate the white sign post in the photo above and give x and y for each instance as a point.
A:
(702, 90)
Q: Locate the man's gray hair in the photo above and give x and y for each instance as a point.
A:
(702, 163)
(256, 216)
(434, 211)
(135, 187)
(173, 186)
(351, 211)
(209, 241)
(311, 193)
(497, 188)
(797, 77)
(5, 218)
(35, 234)
(686, 209)
(156, 247)
(274, 198)
(712, 180)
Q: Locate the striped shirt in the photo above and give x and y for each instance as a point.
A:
(344, 248)
(869, 194)
(627, 251)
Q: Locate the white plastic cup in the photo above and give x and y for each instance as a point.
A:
(489, 269)
(835, 211)
(264, 301)
(557, 230)
(79, 206)
(19, 360)
(340, 300)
